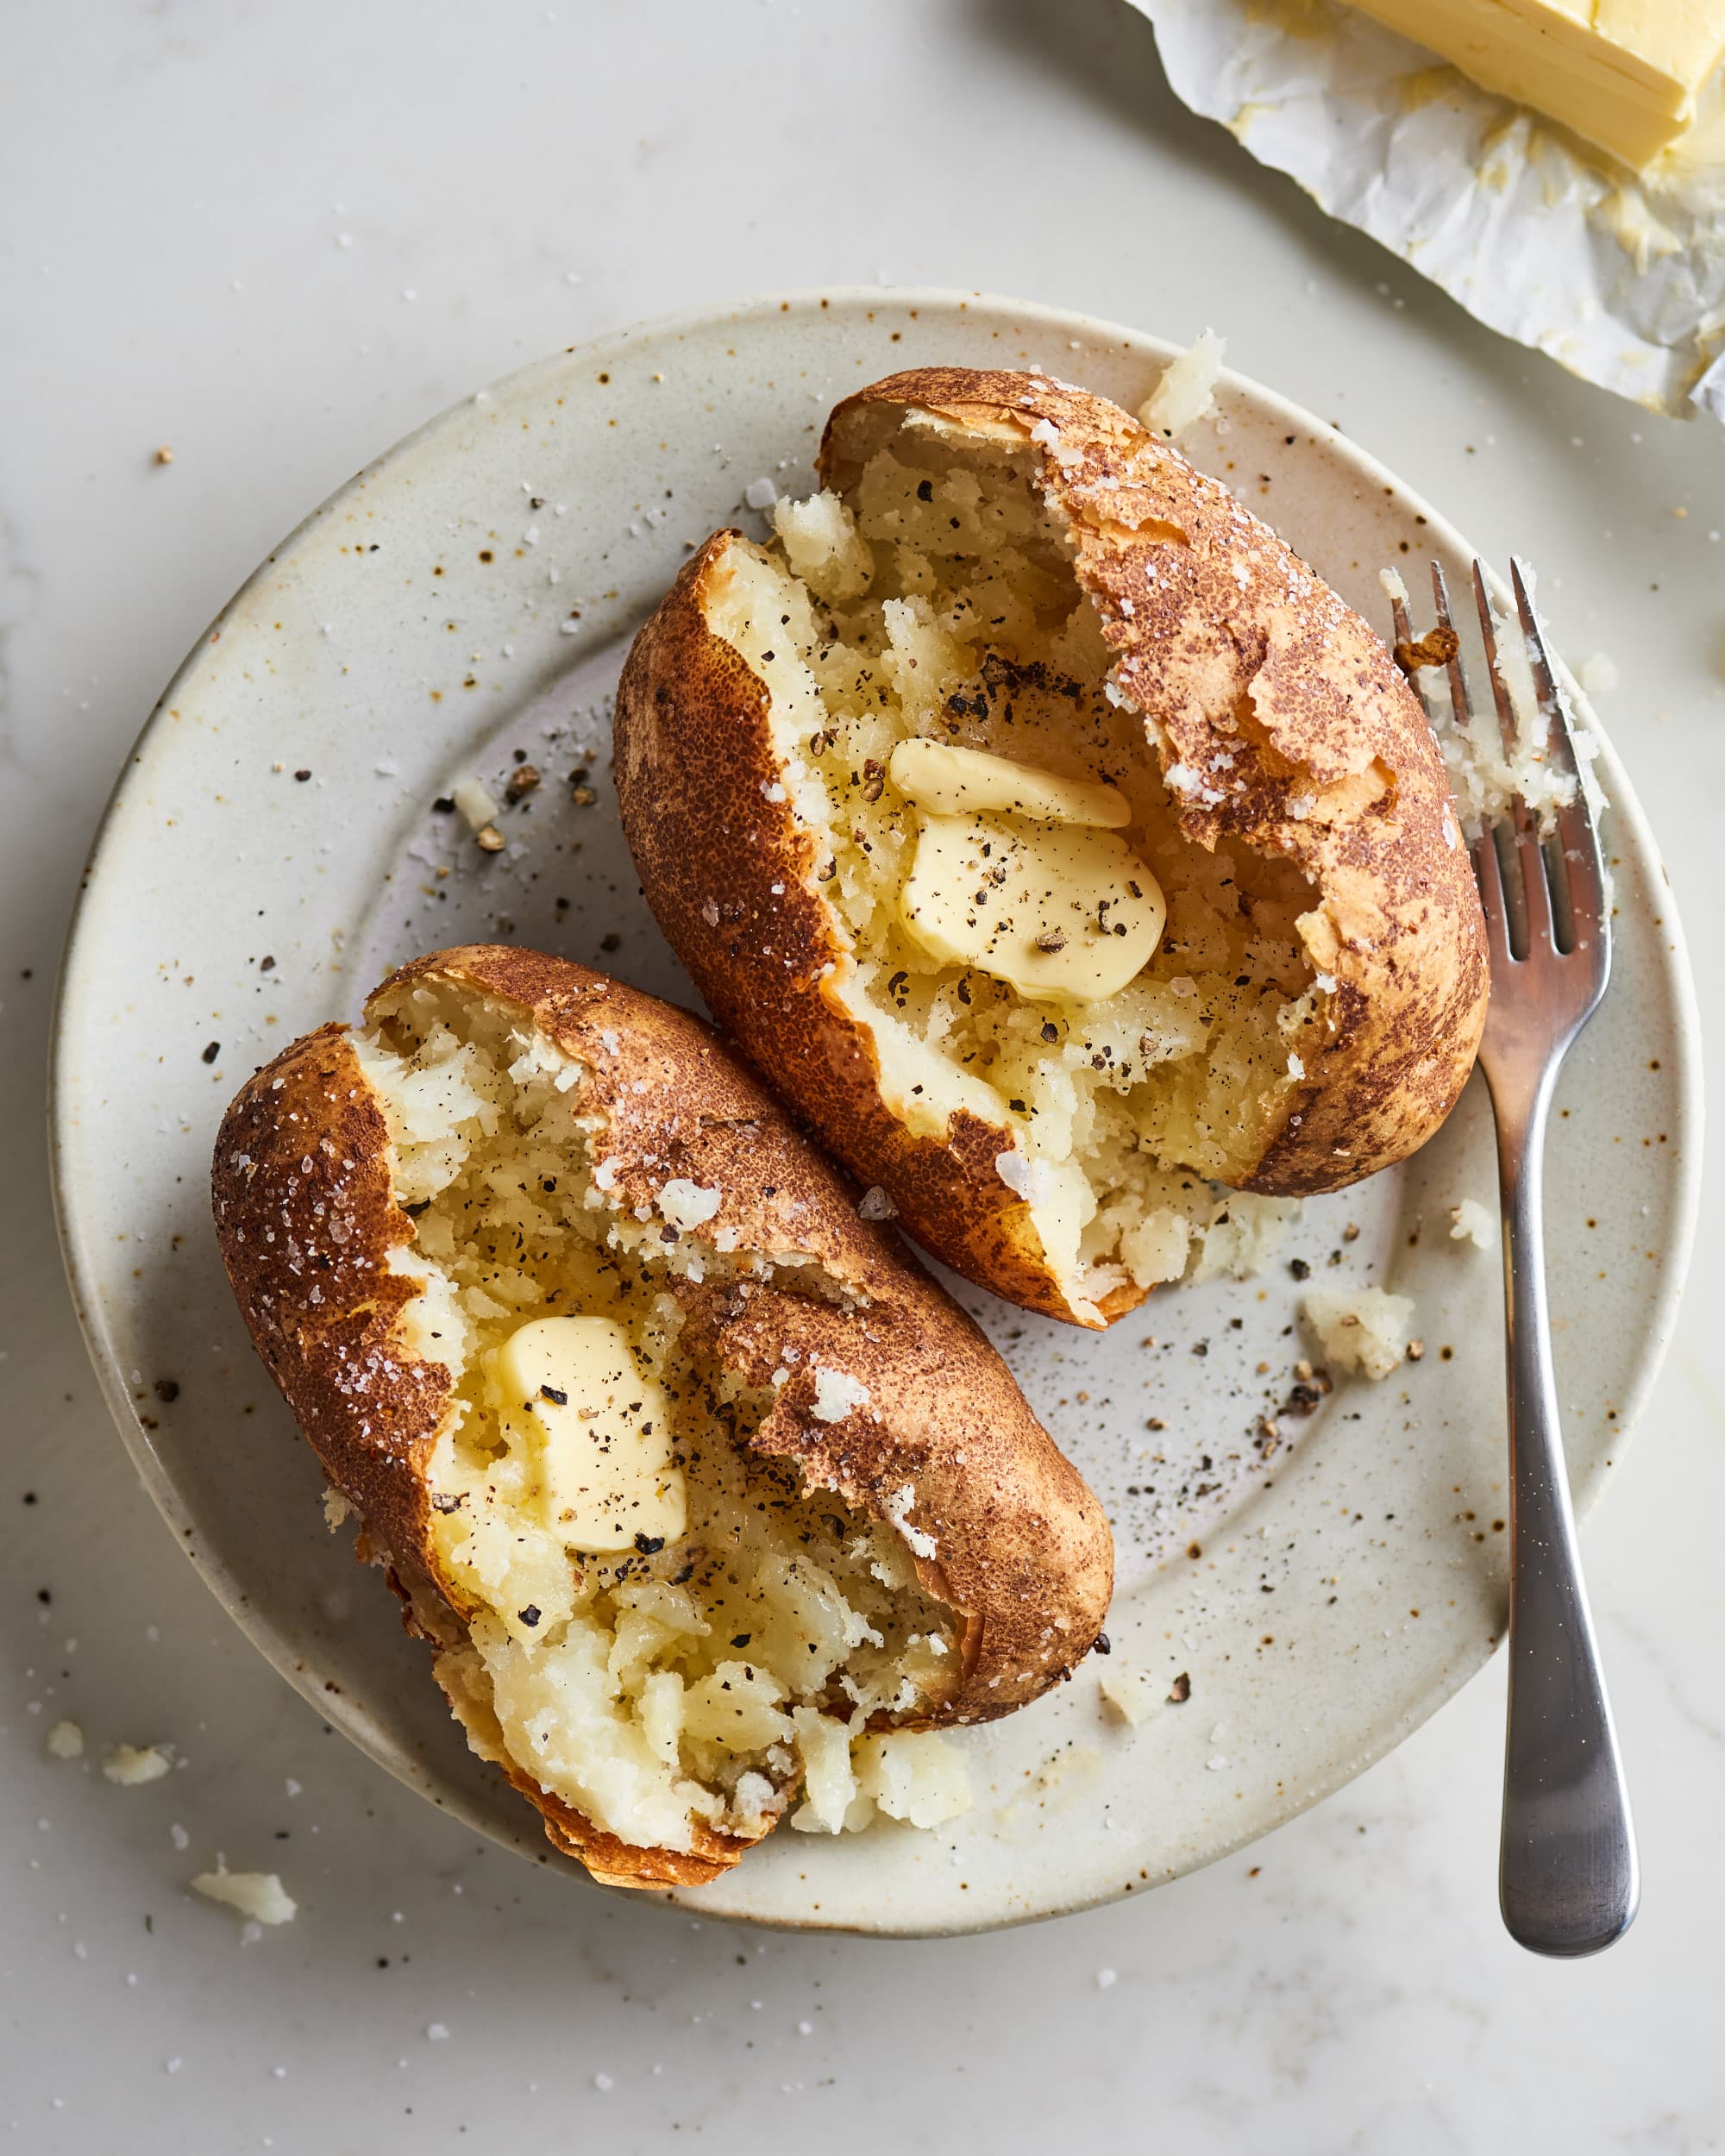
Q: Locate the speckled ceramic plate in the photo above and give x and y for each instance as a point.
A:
(274, 845)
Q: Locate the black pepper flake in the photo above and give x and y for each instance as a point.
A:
(302, 776)
(649, 1545)
(558, 1399)
(530, 1615)
(167, 1390)
(1300, 1268)
(44, 1594)
(874, 779)
(1051, 1031)
(444, 804)
(211, 1052)
(925, 489)
(1102, 1643)
(443, 1500)
(742, 1639)
(1181, 1690)
(266, 965)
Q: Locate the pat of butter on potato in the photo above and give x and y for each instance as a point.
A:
(1058, 911)
(575, 1399)
(1052, 905)
(948, 781)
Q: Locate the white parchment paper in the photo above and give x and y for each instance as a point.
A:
(1619, 278)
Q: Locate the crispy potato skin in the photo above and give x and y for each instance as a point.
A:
(1230, 644)
(306, 1221)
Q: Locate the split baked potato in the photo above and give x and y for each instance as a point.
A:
(1055, 841)
(700, 1486)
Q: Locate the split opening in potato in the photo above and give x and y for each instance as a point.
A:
(1032, 936)
(663, 1630)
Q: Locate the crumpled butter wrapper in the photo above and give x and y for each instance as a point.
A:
(1619, 277)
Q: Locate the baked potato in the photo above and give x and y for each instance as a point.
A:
(700, 1486)
(1056, 843)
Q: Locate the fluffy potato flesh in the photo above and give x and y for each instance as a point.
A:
(679, 1684)
(937, 602)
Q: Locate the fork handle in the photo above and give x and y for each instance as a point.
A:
(1569, 1879)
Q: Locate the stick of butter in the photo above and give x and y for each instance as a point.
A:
(1623, 73)
(574, 1397)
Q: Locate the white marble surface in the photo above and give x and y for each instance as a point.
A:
(275, 240)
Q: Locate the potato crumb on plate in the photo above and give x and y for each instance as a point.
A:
(1360, 1328)
(1187, 391)
(1470, 1222)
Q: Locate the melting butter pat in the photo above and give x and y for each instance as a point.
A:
(1056, 911)
(576, 1399)
(948, 781)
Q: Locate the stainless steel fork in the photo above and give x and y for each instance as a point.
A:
(1569, 1880)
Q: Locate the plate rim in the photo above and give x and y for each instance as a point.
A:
(78, 1255)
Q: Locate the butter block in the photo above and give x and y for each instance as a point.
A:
(1624, 74)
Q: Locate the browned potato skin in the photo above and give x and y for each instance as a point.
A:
(1397, 920)
(1025, 1556)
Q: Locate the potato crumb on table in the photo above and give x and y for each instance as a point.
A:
(258, 1896)
(132, 1765)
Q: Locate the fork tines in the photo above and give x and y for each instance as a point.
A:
(1537, 889)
